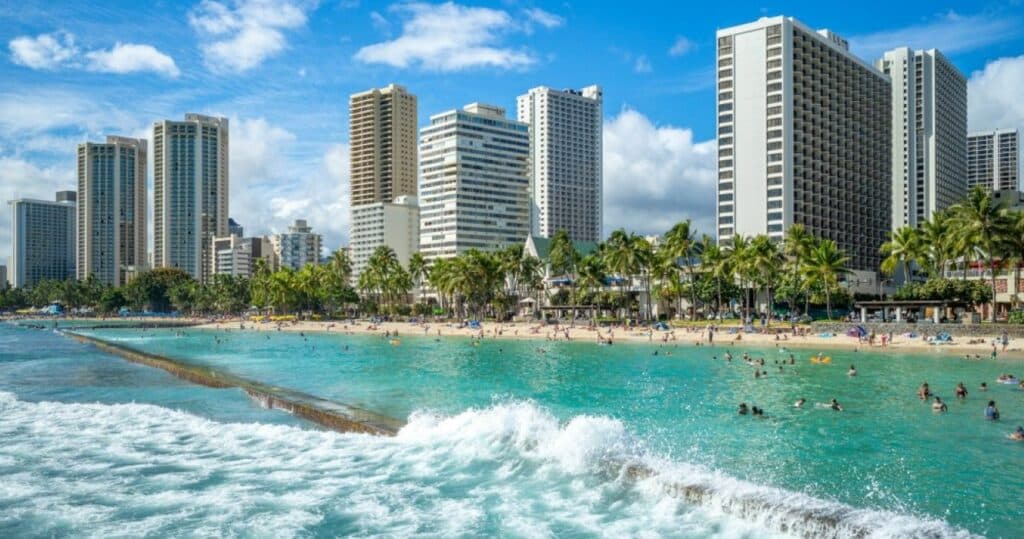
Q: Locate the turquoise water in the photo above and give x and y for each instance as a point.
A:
(506, 439)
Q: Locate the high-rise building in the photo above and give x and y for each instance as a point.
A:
(3, 277)
(993, 160)
(297, 247)
(112, 209)
(235, 229)
(382, 139)
(929, 133)
(474, 181)
(42, 239)
(235, 255)
(382, 143)
(803, 137)
(190, 192)
(565, 160)
(394, 224)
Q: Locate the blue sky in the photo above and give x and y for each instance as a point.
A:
(282, 71)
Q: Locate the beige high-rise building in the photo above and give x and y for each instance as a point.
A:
(382, 141)
(111, 209)
(383, 145)
(190, 192)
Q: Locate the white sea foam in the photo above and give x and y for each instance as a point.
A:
(511, 469)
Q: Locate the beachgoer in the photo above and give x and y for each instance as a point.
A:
(938, 405)
(924, 391)
(991, 412)
(961, 391)
(1018, 434)
(984, 386)
(1005, 339)
(743, 409)
(852, 371)
(836, 406)
(799, 403)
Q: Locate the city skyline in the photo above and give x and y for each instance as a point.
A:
(288, 115)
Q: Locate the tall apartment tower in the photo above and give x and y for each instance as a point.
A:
(803, 137)
(190, 192)
(382, 141)
(993, 160)
(383, 161)
(565, 160)
(112, 209)
(474, 183)
(929, 133)
(43, 239)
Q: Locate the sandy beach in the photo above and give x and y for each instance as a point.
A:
(724, 336)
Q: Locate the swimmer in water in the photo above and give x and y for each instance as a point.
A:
(938, 405)
(1018, 434)
(983, 387)
(961, 391)
(799, 403)
(743, 409)
(924, 391)
(991, 412)
(835, 405)
(852, 371)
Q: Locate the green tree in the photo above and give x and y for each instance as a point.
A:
(681, 245)
(981, 218)
(151, 289)
(825, 264)
(903, 247)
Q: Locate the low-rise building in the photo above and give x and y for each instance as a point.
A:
(235, 255)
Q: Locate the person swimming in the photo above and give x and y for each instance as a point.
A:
(983, 386)
(799, 403)
(1018, 434)
(835, 405)
(852, 371)
(991, 412)
(961, 391)
(743, 409)
(938, 405)
(924, 391)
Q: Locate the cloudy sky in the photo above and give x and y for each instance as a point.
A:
(282, 71)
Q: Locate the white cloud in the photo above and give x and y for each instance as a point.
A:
(658, 172)
(993, 99)
(52, 51)
(241, 37)
(130, 57)
(642, 64)
(45, 51)
(449, 37)
(543, 18)
(950, 33)
(681, 46)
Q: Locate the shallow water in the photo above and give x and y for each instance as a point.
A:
(504, 439)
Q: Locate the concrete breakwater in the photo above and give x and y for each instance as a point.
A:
(329, 414)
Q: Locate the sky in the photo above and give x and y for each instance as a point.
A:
(282, 71)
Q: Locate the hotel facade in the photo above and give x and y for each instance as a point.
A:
(804, 137)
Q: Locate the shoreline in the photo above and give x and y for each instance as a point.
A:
(675, 336)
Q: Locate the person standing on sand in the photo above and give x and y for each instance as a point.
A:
(711, 334)
(1005, 339)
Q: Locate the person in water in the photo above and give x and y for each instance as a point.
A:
(799, 403)
(835, 405)
(1018, 434)
(984, 386)
(991, 412)
(961, 391)
(924, 391)
(938, 405)
(852, 371)
(743, 409)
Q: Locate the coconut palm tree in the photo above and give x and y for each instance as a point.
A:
(825, 264)
(1014, 246)
(740, 254)
(981, 218)
(903, 247)
(681, 245)
(716, 262)
(591, 278)
(767, 260)
(937, 247)
(418, 272)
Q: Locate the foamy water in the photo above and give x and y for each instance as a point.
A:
(509, 469)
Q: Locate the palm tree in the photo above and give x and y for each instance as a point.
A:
(562, 255)
(626, 255)
(824, 265)
(418, 272)
(739, 253)
(797, 244)
(591, 278)
(719, 267)
(979, 217)
(1014, 246)
(903, 247)
(937, 249)
(766, 259)
(341, 265)
(681, 244)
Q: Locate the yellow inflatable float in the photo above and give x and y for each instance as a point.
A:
(821, 360)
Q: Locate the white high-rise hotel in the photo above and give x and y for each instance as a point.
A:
(112, 209)
(565, 160)
(190, 192)
(474, 181)
(804, 137)
(993, 160)
(929, 133)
